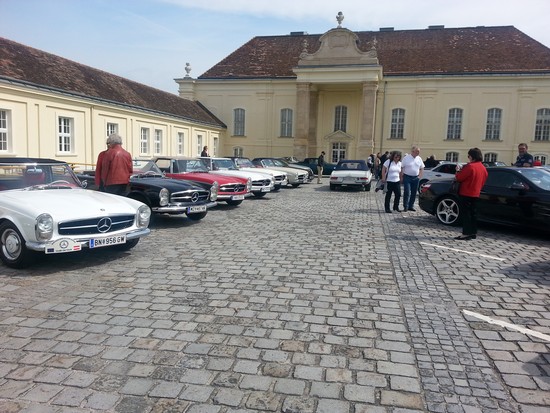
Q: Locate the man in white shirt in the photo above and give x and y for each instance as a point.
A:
(413, 168)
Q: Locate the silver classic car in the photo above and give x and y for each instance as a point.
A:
(45, 209)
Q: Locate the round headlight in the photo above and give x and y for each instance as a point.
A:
(164, 197)
(44, 227)
(143, 216)
(248, 185)
(214, 191)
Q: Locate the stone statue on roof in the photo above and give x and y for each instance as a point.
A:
(339, 19)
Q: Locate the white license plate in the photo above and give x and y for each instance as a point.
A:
(62, 245)
(107, 241)
(196, 209)
(266, 189)
(237, 197)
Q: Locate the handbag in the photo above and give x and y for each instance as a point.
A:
(454, 187)
(380, 186)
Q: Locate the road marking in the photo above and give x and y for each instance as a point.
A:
(465, 252)
(508, 325)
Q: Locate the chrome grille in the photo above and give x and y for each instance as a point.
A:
(232, 188)
(90, 226)
(187, 196)
(262, 182)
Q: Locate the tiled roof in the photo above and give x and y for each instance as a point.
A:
(458, 51)
(29, 65)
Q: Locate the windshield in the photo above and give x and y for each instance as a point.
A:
(37, 176)
(244, 163)
(351, 165)
(223, 164)
(142, 166)
(190, 165)
(538, 176)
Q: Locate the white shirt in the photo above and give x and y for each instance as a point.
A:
(394, 169)
(412, 165)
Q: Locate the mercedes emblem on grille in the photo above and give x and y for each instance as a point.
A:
(104, 224)
(236, 189)
(195, 197)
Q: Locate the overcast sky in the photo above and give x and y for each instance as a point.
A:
(150, 41)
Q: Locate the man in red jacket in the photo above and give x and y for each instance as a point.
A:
(472, 177)
(116, 166)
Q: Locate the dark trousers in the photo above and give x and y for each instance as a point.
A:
(120, 189)
(469, 214)
(410, 188)
(395, 188)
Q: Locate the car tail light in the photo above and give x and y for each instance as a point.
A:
(424, 188)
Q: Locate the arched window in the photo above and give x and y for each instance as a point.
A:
(542, 127)
(340, 118)
(492, 128)
(451, 156)
(490, 157)
(286, 122)
(397, 123)
(454, 124)
(238, 122)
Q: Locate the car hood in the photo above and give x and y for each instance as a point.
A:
(271, 172)
(253, 175)
(288, 170)
(172, 184)
(225, 179)
(58, 202)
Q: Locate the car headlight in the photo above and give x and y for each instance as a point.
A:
(44, 227)
(143, 216)
(214, 191)
(164, 197)
(248, 185)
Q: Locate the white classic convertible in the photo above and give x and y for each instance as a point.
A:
(351, 173)
(44, 208)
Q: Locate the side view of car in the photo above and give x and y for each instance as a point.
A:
(232, 189)
(296, 177)
(261, 182)
(164, 195)
(45, 209)
(245, 164)
(310, 172)
(351, 173)
(511, 196)
(312, 163)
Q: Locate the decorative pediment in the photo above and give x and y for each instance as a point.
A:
(339, 136)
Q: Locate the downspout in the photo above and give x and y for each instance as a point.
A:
(382, 120)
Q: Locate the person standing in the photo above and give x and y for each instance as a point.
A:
(116, 166)
(524, 158)
(320, 166)
(204, 152)
(383, 160)
(392, 175)
(471, 177)
(413, 168)
(98, 167)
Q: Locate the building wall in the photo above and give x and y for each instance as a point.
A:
(33, 127)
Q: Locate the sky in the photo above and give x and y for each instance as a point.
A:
(150, 41)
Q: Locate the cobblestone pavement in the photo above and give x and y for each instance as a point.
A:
(304, 301)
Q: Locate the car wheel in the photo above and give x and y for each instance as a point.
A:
(260, 194)
(422, 182)
(13, 252)
(197, 217)
(232, 203)
(447, 211)
(367, 187)
(131, 243)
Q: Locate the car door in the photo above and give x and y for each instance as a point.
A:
(506, 197)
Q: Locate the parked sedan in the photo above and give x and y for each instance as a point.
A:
(232, 189)
(44, 208)
(511, 196)
(351, 173)
(312, 163)
(164, 195)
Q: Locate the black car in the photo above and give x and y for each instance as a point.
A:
(511, 196)
(165, 195)
(312, 163)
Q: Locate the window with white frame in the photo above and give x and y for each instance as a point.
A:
(112, 128)
(286, 123)
(542, 126)
(338, 151)
(144, 141)
(340, 118)
(5, 140)
(451, 156)
(454, 124)
(397, 127)
(542, 158)
(199, 145)
(216, 147)
(238, 151)
(238, 122)
(180, 140)
(492, 129)
(64, 135)
(490, 157)
(158, 141)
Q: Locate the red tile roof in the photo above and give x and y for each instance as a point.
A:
(26, 64)
(457, 51)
